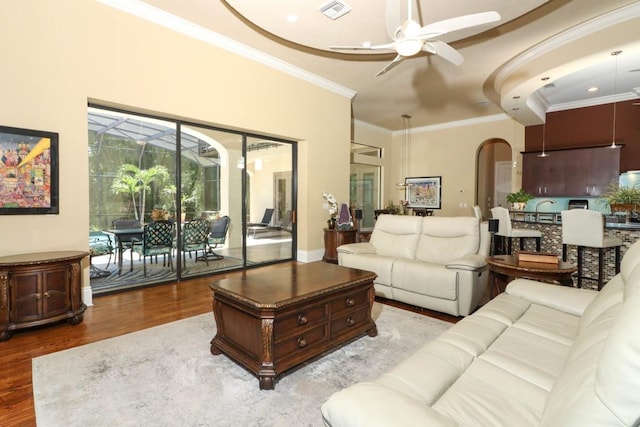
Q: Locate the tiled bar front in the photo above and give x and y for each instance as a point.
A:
(552, 243)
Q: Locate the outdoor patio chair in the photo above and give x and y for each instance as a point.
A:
(194, 239)
(157, 239)
(100, 244)
(264, 224)
(217, 236)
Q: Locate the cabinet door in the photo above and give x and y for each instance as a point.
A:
(605, 169)
(26, 296)
(56, 295)
(578, 174)
(532, 173)
(554, 167)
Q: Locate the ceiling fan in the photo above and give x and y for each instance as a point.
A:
(410, 38)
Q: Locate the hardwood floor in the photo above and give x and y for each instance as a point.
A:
(110, 316)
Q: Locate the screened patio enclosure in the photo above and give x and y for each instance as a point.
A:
(220, 177)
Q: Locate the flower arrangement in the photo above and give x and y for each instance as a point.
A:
(332, 202)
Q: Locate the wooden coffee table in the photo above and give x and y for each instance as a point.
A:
(507, 266)
(274, 318)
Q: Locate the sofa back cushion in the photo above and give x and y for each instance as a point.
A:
(618, 372)
(396, 235)
(444, 239)
(628, 265)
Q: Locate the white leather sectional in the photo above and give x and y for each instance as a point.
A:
(432, 262)
(537, 355)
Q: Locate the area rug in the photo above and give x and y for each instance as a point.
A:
(166, 376)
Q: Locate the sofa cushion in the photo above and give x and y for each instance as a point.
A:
(381, 265)
(618, 372)
(443, 239)
(425, 279)
(396, 236)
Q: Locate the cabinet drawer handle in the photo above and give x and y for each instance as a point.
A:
(350, 302)
(302, 342)
(303, 319)
(38, 296)
(350, 321)
(46, 294)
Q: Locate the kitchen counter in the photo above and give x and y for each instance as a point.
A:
(533, 217)
(550, 225)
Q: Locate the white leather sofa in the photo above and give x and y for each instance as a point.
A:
(432, 262)
(536, 355)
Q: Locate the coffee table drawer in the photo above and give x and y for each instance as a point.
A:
(349, 321)
(304, 341)
(300, 319)
(350, 301)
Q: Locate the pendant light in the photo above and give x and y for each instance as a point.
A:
(406, 150)
(544, 131)
(515, 128)
(615, 98)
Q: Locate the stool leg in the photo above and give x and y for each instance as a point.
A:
(521, 243)
(600, 267)
(580, 248)
(538, 244)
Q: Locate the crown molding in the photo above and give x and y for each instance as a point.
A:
(153, 14)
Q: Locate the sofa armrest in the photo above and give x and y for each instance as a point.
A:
(357, 248)
(368, 404)
(566, 299)
(470, 262)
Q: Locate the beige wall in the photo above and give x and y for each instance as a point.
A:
(451, 152)
(59, 55)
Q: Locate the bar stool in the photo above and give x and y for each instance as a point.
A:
(505, 229)
(584, 228)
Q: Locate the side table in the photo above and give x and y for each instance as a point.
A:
(334, 238)
(505, 267)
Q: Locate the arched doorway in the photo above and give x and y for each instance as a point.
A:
(493, 169)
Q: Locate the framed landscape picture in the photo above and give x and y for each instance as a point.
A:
(424, 192)
(28, 171)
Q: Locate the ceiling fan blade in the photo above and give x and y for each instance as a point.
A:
(458, 23)
(390, 65)
(390, 46)
(443, 50)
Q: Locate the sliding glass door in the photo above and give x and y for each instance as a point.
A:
(214, 195)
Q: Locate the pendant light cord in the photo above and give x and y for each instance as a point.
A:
(615, 98)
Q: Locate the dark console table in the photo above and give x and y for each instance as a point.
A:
(334, 238)
(40, 288)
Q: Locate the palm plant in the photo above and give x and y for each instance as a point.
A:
(132, 180)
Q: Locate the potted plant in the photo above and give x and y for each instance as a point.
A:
(623, 199)
(519, 199)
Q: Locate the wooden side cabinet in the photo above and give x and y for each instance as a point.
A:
(333, 239)
(40, 288)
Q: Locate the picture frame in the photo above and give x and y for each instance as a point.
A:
(424, 192)
(28, 172)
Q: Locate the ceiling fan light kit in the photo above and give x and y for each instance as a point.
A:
(410, 38)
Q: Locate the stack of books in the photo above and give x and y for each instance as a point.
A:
(548, 258)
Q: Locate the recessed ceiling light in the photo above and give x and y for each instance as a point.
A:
(592, 89)
(292, 17)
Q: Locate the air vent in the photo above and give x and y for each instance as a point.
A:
(334, 9)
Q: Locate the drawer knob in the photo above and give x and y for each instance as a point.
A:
(350, 321)
(303, 319)
(302, 342)
(350, 301)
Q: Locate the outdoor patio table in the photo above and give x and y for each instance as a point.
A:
(124, 235)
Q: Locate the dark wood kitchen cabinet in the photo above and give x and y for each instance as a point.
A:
(544, 176)
(569, 173)
(40, 288)
(591, 170)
